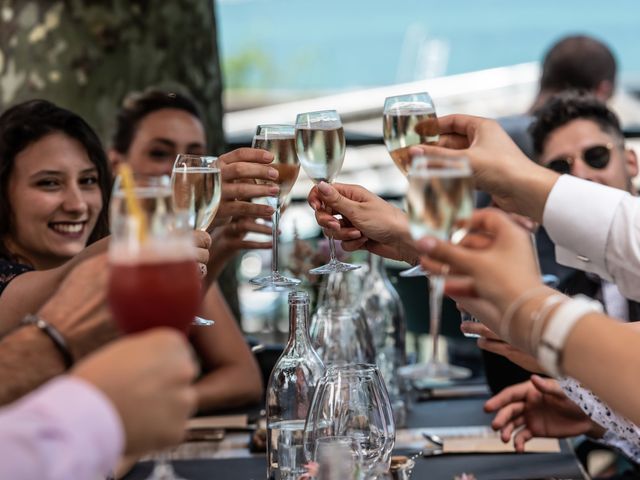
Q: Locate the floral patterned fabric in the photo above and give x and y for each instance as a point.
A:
(620, 433)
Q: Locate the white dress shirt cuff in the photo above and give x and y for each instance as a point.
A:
(578, 217)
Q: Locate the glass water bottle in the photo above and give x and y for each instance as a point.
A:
(289, 393)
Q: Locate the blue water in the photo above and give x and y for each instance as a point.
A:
(340, 44)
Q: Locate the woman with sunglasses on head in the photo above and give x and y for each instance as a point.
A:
(151, 129)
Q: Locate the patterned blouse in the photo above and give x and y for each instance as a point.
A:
(620, 432)
(10, 270)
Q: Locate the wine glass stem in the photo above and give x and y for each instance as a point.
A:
(274, 234)
(332, 245)
(332, 249)
(436, 286)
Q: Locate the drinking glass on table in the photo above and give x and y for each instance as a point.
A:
(409, 120)
(351, 402)
(279, 140)
(439, 204)
(154, 279)
(321, 147)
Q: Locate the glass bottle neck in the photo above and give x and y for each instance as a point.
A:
(376, 266)
(298, 325)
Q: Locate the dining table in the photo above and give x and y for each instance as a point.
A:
(230, 458)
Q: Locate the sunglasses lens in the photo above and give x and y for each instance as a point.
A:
(597, 157)
(560, 165)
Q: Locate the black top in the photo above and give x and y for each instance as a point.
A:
(10, 270)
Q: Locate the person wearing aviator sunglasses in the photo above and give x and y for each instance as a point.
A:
(576, 134)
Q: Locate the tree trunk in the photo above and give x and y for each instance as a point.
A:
(87, 55)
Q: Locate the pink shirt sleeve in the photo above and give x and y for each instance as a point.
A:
(67, 429)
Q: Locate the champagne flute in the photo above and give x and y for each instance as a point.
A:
(196, 189)
(279, 140)
(408, 120)
(154, 278)
(439, 204)
(321, 147)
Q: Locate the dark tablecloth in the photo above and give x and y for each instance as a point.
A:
(436, 413)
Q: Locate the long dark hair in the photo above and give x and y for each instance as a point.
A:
(28, 122)
(137, 106)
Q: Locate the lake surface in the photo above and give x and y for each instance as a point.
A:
(328, 45)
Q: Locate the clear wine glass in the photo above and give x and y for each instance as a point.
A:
(351, 401)
(196, 190)
(321, 147)
(439, 204)
(279, 140)
(409, 120)
(154, 279)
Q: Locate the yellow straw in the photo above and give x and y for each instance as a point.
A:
(133, 205)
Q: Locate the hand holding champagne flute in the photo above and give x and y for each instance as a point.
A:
(154, 278)
(439, 204)
(321, 147)
(279, 140)
(408, 120)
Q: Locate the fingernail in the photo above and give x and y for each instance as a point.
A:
(355, 234)
(334, 225)
(273, 191)
(270, 210)
(324, 188)
(273, 173)
(427, 244)
(267, 156)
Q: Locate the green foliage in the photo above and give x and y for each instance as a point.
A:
(250, 68)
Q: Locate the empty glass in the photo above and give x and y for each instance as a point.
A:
(339, 331)
(352, 401)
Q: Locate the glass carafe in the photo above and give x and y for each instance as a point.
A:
(385, 316)
(289, 394)
(339, 331)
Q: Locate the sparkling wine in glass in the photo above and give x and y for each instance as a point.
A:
(320, 145)
(409, 120)
(279, 140)
(197, 190)
(196, 186)
(439, 204)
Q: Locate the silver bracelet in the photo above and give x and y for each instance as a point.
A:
(54, 334)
